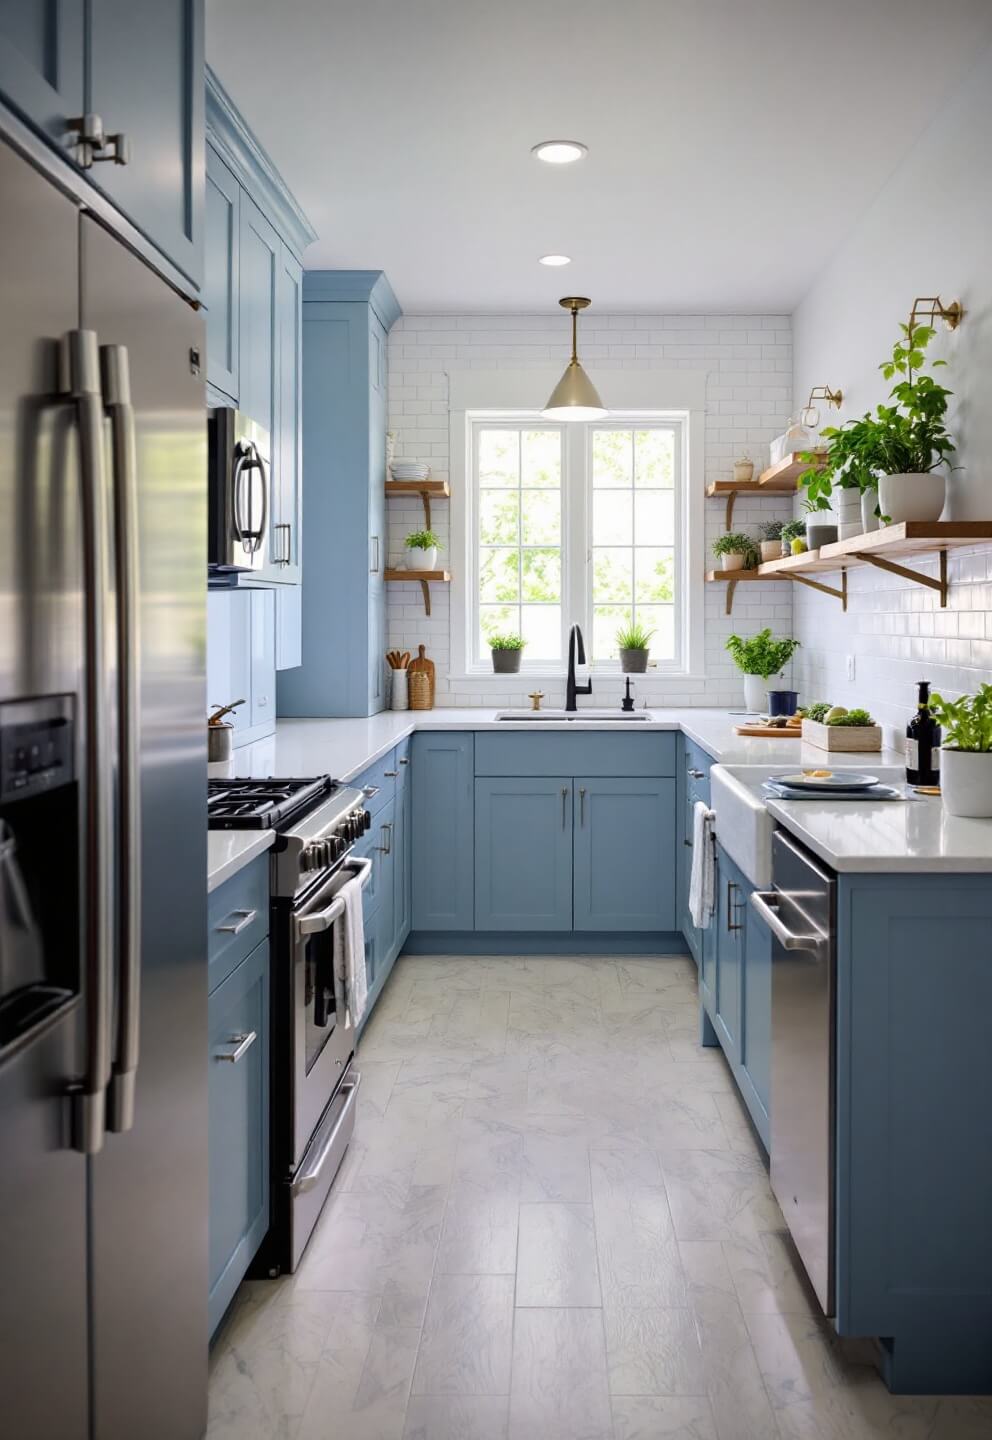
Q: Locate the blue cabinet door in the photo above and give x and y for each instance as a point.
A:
(42, 62)
(402, 847)
(624, 854)
(287, 457)
(239, 1125)
(523, 853)
(756, 1020)
(146, 81)
(263, 661)
(729, 922)
(257, 345)
(443, 792)
(383, 879)
(222, 274)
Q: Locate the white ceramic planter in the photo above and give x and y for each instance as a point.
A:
(732, 562)
(421, 559)
(911, 497)
(847, 529)
(743, 471)
(966, 782)
(869, 502)
(755, 694)
(771, 549)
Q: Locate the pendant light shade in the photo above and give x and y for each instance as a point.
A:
(575, 397)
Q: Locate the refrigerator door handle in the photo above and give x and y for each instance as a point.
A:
(116, 378)
(80, 363)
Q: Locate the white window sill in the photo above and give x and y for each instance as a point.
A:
(605, 672)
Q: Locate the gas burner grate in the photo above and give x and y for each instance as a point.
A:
(262, 804)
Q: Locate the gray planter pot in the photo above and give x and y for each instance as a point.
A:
(506, 662)
(817, 535)
(633, 662)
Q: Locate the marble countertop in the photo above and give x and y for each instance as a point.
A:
(228, 851)
(888, 837)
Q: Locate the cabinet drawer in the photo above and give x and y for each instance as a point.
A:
(697, 767)
(402, 767)
(382, 775)
(237, 920)
(570, 753)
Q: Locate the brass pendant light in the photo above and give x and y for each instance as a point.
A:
(575, 397)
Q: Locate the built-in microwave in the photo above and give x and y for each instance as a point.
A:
(239, 491)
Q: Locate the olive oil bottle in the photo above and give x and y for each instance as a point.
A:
(923, 743)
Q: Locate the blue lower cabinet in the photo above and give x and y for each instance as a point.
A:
(402, 888)
(729, 921)
(523, 853)
(624, 854)
(382, 881)
(238, 1092)
(708, 941)
(756, 1019)
(443, 800)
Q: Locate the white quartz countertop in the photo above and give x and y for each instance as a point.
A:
(881, 837)
(228, 851)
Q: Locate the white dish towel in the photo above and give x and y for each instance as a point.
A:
(351, 982)
(702, 880)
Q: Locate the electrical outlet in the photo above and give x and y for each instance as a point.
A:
(850, 667)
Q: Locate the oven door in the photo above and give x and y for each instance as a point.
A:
(323, 1039)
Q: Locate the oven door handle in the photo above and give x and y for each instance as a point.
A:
(321, 920)
(310, 1177)
(765, 902)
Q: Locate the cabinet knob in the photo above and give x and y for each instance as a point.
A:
(698, 774)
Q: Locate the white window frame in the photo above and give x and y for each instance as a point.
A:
(505, 396)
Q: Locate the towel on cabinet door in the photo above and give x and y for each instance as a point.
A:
(702, 880)
(351, 983)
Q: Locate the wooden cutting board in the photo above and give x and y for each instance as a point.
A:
(426, 666)
(771, 732)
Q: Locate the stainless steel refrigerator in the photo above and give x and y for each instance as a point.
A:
(103, 1037)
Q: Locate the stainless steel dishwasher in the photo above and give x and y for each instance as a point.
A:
(800, 911)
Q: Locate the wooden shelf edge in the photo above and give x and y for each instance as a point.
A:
(749, 487)
(788, 469)
(413, 575)
(716, 576)
(437, 489)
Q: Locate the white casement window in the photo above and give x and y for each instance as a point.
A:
(576, 523)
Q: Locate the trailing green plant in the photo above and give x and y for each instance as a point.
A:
(634, 636)
(967, 722)
(762, 654)
(794, 530)
(423, 540)
(737, 544)
(770, 529)
(506, 642)
(817, 712)
(853, 717)
(908, 437)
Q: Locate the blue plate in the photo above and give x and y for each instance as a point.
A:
(837, 780)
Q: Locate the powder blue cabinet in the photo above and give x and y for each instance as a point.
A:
(241, 661)
(624, 853)
(222, 275)
(443, 830)
(731, 906)
(693, 785)
(140, 69)
(523, 853)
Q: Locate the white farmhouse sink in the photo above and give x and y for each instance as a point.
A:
(743, 825)
(575, 717)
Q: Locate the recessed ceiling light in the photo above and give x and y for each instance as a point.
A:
(555, 260)
(559, 152)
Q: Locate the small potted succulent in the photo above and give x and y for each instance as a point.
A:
(743, 470)
(966, 754)
(771, 539)
(507, 652)
(760, 657)
(632, 642)
(794, 537)
(421, 550)
(737, 551)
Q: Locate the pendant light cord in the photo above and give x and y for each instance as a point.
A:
(575, 333)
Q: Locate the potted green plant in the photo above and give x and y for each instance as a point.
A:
(759, 657)
(421, 550)
(507, 652)
(820, 526)
(736, 551)
(966, 752)
(632, 642)
(794, 537)
(770, 532)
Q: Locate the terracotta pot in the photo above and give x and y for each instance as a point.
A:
(911, 497)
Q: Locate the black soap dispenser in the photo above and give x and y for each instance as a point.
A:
(627, 703)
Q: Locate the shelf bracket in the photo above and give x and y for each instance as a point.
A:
(940, 584)
(730, 511)
(728, 608)
(427, 518)
(840, 594)
(425, 587)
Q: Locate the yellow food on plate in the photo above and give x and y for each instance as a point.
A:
(818, 774)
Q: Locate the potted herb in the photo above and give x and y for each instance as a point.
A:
(736, 551)
(771, 539)
(966, 754)
(421, 550)
(632, 642)
(507, 652)
(759, 657)
(793, 537)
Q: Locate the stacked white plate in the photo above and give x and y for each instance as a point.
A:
(409, 470)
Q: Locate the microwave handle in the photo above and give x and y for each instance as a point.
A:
(248, 459)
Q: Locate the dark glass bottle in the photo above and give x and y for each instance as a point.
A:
(923, 743)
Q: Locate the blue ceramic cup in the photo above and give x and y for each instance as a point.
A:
(783, 702)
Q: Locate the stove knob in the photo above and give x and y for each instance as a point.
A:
(306, 858)
(352, 831)
(326, 854)
(340, 846)
(366, 820)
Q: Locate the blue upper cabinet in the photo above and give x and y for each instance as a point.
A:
(523, 853)
(137, 69)
(222, 274)
(287, 472)
(257, 348)
(346, 318)
(443, 792)
(624, 854)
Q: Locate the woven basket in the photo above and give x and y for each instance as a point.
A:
(420, 690)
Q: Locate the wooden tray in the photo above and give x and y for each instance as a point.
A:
(771, 732)
(852, 739)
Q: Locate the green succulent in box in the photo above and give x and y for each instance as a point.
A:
(817, 712)
(853, 717)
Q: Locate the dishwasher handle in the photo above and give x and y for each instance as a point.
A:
(765, 903)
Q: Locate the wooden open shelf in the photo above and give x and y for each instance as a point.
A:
(787, 470)
(732, 578)
(428, 490)
(730, 489)
(424, 576)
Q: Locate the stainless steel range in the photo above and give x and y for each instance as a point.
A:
(314, 1083)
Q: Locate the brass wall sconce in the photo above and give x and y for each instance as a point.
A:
(931, 307)
(810, 414)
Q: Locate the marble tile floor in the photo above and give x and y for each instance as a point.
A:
(554, 1223)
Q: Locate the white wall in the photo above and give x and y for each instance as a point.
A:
(748, 363)
(929, 231)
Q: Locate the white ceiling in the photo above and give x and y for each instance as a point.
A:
(732, 143)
